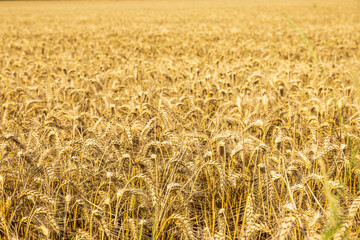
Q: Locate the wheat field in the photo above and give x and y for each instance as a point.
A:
(180, 120)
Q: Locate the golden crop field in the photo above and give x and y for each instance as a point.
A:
(180, 120)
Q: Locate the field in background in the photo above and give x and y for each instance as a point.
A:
(179, 120)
